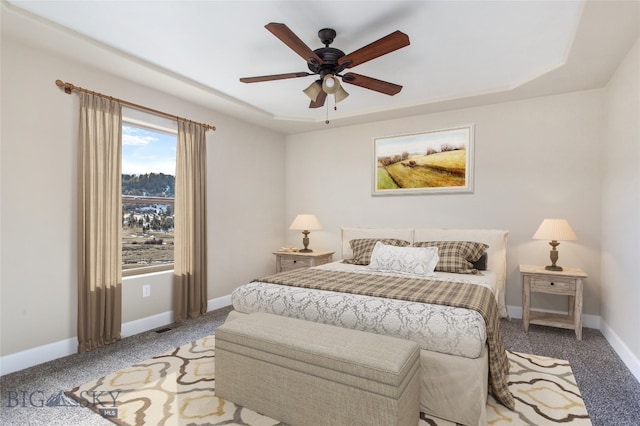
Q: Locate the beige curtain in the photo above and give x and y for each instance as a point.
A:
(190, 250)
(99, 220)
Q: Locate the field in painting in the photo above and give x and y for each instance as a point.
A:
(439, 170)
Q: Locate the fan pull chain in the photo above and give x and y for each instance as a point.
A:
(327, 110)
(335, 108)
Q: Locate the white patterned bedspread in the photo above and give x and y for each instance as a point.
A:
(455, 331)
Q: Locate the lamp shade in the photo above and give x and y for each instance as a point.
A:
(340, 94)
(305, 222)
(555, 229)
(330, 84)
(313, 90)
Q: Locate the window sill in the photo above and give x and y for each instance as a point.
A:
(132, 272)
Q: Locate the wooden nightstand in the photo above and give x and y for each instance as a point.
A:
(286, 261)
(569, 282)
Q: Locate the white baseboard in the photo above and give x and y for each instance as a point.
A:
(145, 324)
(630, 360)
(30, 357)
(594, 321)
(34, 356)
(220, 302)
(589, 321)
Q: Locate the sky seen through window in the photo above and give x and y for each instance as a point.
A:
(147, 151)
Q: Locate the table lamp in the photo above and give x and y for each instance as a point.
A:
(305, 223)
(554, 230)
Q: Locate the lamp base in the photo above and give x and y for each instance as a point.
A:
(305, 242)
(553, 254)
(553, 268)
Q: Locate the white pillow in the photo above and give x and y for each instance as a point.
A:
(405, 260)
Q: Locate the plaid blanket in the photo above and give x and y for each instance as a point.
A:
(430, 291)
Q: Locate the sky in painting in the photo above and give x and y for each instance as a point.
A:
(420, 142)
(146, 151)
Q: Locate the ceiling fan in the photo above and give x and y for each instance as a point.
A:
(328, 63)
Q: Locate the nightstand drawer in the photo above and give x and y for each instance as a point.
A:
(288, 263)
(560, 285)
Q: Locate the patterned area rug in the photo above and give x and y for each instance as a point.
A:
(177, 388)
(545, 392)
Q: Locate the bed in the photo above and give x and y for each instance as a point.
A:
(459, 345)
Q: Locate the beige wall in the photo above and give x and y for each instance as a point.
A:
(534, 159)
(620, 293)
(38, 211)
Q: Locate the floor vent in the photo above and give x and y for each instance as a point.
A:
(163, 330)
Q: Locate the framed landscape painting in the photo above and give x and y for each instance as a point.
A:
(433, 162)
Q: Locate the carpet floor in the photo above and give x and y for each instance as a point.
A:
(610, 392)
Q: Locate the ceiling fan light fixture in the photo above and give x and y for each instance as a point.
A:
(328, 63)
(340, 94)
(330, 84)
(313, 90)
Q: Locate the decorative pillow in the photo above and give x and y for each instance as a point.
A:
(405, 260)
(456, 256)
(481, 264)
(362, 248)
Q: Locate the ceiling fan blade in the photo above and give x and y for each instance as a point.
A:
(322, 96)
(372, 83)
(274, 77)
(293, 41)
(394, 41)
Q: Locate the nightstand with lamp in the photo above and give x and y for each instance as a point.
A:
(553, 279)
(303, 258)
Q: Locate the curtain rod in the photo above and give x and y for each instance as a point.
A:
(68, 88)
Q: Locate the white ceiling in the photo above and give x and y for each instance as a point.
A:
(462, 53)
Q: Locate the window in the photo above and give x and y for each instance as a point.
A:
(148, 190)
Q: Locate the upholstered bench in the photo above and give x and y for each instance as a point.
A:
(305, 373)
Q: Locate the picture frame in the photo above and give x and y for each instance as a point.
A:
(431, 162)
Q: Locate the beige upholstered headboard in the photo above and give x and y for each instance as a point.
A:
(349, 234)
(494, 238)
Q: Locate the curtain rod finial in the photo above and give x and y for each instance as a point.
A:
(68, 87)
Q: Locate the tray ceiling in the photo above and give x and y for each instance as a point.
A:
(461, 53)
